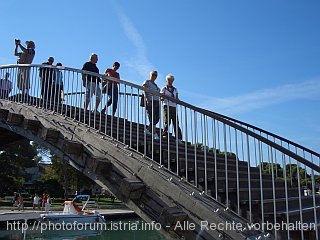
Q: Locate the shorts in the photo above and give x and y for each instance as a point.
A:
(93, 88)
(23, 78)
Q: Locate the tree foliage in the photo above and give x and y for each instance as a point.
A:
(293, 173)
(14, 158)
(56, 180)
(66, 176)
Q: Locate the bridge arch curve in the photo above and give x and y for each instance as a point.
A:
(223, 170)
(112, 165)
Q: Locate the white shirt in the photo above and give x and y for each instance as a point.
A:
(36, 200)
(152, 86)
(171, 92)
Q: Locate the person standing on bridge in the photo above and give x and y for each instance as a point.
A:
(170, 109)
(25, 57)
(5, 86)
(47, 78)
(90, 82)
(58, 84)
(152, 104)
(111, 88)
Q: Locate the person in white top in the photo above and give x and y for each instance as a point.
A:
(170, 109)
(36, 200)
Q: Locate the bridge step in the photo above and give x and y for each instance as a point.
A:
(293, 215)
(243, 183)
(281, 203)
(255, 193)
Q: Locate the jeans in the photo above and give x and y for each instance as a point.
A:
(153, 119)
(113, 93)
(170, 114)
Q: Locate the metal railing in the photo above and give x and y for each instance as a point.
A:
(259, 175)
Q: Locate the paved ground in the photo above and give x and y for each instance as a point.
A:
(102, 211)
(7, 214)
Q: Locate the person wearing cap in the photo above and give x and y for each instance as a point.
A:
(169, 109)
(26, 56)
(58, 84)
(152, 104)
(111, 88)
(91, 82)
(47, 79)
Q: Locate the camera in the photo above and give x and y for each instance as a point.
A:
(17, 41)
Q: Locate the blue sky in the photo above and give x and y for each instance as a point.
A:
(253, 60)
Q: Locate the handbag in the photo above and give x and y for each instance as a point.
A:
(142, 101)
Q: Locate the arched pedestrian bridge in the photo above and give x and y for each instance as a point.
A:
(224, 177)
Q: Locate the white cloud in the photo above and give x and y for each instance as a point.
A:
(266, 97)
(139, 62)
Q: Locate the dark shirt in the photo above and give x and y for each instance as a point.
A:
(91, 67)
(46, 74)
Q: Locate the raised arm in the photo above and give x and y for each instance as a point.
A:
(22, 48)
(16, 53)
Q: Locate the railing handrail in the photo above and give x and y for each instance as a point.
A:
(234, 163)
(266, 132)
(227, 120)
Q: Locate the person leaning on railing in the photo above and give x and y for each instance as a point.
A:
(58, 84)
(152, 104)
(111, 88)
(90, 82)
(47, 78)
(169, 109)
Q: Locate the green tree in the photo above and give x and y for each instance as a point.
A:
(14, 158)
(268, 167)
(293, 173)
(66, 176)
